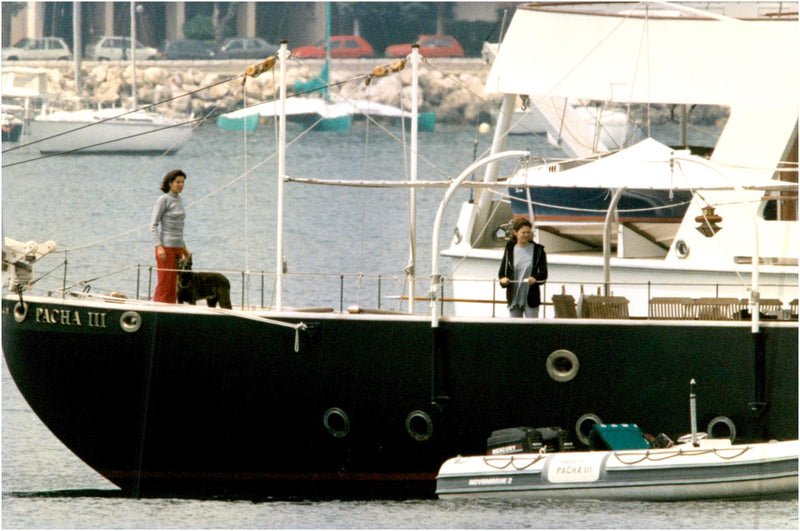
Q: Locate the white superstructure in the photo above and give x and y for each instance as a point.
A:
(651, 53)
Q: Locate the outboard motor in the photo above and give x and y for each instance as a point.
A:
(525, 439)
(553, 439)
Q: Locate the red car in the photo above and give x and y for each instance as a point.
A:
(342, 47)
(429, 46)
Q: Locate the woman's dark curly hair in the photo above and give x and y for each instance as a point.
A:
(169, 177)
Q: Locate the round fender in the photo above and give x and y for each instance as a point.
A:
(419, 425)
(725, 421)
(584, 426)
(562, 365)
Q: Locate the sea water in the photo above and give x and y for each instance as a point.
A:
(97, 207)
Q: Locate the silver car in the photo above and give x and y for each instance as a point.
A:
(248, 48)
(109, 48)
(38, 49)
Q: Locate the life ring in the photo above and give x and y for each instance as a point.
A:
(130, 321)
(336, 422)
(581, 428)
(725, 421)
(20, 311)
(419, 425)
(562, 365)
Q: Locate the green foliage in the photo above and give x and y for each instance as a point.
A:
(13, 7)
(200, 27)
(471, 35)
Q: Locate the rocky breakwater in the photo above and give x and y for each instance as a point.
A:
(454, 89)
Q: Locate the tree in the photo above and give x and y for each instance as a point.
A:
(199, 27)
(221, 25)
(10, 10)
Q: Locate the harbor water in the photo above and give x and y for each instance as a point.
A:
(97, 207)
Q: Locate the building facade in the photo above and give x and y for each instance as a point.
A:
(157, 22)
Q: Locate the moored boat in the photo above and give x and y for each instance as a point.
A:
(108, 131)
(12, 127)
(276, 400)
(714, 469)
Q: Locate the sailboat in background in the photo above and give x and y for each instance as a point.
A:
(112, 130)
(323, 112)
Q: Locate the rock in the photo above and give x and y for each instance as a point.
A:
(182, 105)
(457, 95)
(194, 76)
(97, 75)
(154, 76)
(146, 95)
(218, 92)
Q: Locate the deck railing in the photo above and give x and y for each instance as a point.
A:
(359, 293)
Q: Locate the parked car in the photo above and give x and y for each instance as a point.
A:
(248, 48)
(342, 47)
(109, 48)
(38, 49)
(429, 46)
(192, 49)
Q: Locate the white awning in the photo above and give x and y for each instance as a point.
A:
(640, 53)
(647, 165)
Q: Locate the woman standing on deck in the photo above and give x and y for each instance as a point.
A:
(166, 228)
(526, 261)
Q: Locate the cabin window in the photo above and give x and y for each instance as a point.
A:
(782, 206)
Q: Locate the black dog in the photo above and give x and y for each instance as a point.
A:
(193, 287)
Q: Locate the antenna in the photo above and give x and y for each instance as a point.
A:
(693, 411)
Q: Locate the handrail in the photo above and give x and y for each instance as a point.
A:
(436, 278)
(372, 289)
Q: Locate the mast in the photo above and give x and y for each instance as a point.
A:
(283, 54)
(325, 75)
(133, 56)
(412, 194)
(76, 44)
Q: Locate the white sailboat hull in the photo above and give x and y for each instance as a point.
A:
(138, 132)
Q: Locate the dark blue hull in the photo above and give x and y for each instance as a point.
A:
(591, 204)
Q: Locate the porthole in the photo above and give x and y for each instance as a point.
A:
(729, 430)
(20, 311)
(562, 365)
(336, 422)
(681, 249)
(130, 321)
(584, 426)
(419, 425)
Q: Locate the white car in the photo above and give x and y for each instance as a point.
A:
(109, 48)
(38, 49)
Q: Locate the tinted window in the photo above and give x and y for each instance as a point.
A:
(350, 44)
